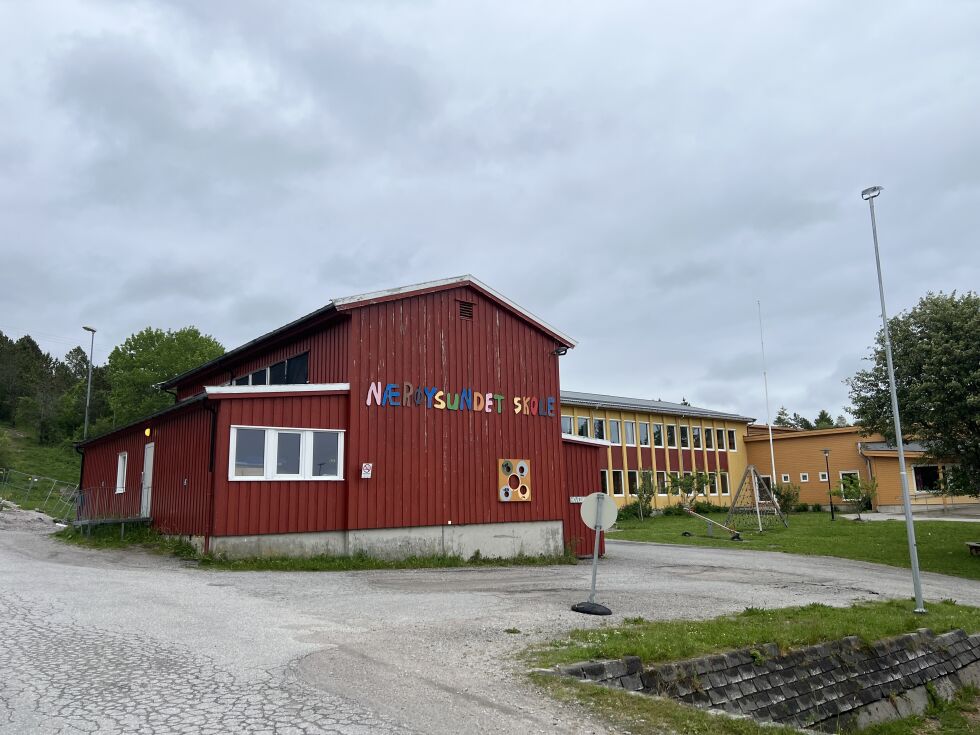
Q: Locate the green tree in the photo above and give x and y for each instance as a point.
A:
(801, 422)
(782, 418)
(689, 486)
(936, 351)
(644, 493)
(148, 358)
(823, 420)
(841, 422)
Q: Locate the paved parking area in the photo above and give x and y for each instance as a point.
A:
(125, 641)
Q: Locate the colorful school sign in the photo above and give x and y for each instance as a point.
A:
(466, 399)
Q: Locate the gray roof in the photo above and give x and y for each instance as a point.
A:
(886, 447)
(598, 400)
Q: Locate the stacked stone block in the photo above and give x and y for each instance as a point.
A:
(830, 686)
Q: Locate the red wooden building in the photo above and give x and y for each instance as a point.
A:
(417, 420)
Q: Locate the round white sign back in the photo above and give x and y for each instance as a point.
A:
(599, 511)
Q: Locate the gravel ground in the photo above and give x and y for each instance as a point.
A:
(120, 641)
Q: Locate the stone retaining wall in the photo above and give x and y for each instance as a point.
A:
(831, 686)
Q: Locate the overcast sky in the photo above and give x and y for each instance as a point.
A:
(637, 174)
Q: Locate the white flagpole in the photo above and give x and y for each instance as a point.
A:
(765, 383)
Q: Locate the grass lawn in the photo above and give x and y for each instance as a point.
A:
(789, 628)
(941, 544)
(108, 537)
(59, 462)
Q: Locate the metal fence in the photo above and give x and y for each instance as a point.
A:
(95, 504)
(56, 498)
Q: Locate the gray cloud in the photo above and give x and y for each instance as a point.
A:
(638, 175)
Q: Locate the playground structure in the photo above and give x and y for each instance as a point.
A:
(754, 506)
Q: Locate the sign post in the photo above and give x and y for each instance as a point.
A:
(598, 511)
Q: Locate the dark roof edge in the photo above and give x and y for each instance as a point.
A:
(199, 398)
(643, 405)
(238, 351)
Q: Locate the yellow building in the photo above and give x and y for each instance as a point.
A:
(800, 461)
(665, 438)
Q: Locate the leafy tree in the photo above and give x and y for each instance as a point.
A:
(936, 349)
(801, 422)
(841, 422)
(644, 493)
(688, 486)
(824, 420)
(782, 418)
(148, 358)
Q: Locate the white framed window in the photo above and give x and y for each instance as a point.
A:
(566, 424)
(604, 481)
(712, 486)
(766, 480)
(270, 453)
(582, 426)
(720, 435)
(629, 433)
(644, 434)
(823, 477)
(784, 479)
(849, 477)
(731, 441)
(614, 432)
(658, 435)
(617, 479)
(723, 476)
(709, 438)
(632, 481)
(696, 436)
(293, 371)
(804, 477)
(599, 428)
(685, 437)
(122, 460)
(661, 482)
(671, 436)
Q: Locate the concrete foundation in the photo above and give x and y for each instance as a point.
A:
(536, 538)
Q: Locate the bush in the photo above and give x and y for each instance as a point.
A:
(801, 508)
(703, 506)
(788, 496)
(816, 507)
(632, 511)
(674, 510)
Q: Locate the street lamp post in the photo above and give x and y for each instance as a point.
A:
(88, 392)
(830, 488)
(869, 195)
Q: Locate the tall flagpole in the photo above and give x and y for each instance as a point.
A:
(765, 383)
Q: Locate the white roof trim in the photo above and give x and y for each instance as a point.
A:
(449, 282)
(584, 440)
(212, 390)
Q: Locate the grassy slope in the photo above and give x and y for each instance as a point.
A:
(941, 544)
(58, 462)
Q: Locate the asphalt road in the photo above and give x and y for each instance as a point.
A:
(118, 642)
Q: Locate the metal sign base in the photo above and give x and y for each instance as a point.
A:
(591, 608)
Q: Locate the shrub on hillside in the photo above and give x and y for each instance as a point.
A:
(787, 495)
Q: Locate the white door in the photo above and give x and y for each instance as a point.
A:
(147, 480)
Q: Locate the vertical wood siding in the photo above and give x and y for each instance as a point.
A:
(245, 508)
(328, 359)
(436, 467)
(181, 451)
(581, 466)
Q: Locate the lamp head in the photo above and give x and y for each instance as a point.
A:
(826, 452)
(870, 193)
(89, 329)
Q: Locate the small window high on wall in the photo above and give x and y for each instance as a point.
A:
(294, 371)
(121, 461)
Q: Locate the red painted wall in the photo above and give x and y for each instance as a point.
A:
(581, 466)
(327, 362)
(181, 451)
(433, 467)
(245, 508)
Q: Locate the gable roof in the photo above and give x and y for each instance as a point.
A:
(338, 306)
(617, 403)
